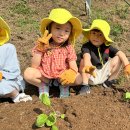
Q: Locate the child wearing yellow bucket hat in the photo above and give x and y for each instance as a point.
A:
(11, 82)
(100, 58)
(54, 57)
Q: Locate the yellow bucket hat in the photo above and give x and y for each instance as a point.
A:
(101, 25)
(61, 16)
(4, 32)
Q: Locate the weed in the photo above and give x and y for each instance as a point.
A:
(22, 8)
(24, 22)
(117, 29)
(122, 79)
(122, 12)
(128, 50)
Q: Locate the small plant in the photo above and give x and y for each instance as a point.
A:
(127, 96)
(50, 119)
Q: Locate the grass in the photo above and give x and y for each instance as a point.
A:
(21, 7)
(117, 29)
(24, 22)
(122, 11)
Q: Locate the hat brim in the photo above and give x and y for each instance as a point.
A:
(86, 31)
(5, 36)
(77, 27)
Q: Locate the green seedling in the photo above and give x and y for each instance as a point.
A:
(54, 127)
(127, 96)
(50, 119)
(41, 120)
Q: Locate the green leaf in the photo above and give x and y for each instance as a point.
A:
(127, 95)
(62, 116)
(45, 99)
(41, 119)
(54, 127)
(51, 120)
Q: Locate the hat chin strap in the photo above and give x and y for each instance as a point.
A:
(107, 43)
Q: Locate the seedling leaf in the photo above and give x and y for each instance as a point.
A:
(127, 95)
(45, 99)
(51, 120)
(62, 116)
(54, 127)
(41, 119)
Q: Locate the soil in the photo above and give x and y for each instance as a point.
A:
(103, 108)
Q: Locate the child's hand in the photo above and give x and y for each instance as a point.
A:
(43, 43)
(127, 70)
(0, 76)
(68, 77)
(90, 70)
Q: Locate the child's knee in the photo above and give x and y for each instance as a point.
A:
(115, 61)
(28, 74)
(78, 80)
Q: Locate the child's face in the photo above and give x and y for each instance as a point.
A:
(96, 37)
(60, 32)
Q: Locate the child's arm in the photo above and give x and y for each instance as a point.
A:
(123, 58)
(87, 65)
(42, 44)
(73, 65)
(36, 60)
(87, 60)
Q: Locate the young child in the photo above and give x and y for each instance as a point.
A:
(54, 56)
(100, 58)
(11, 82)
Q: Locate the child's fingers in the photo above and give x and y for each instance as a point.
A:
(94, 74)
(45, 34)
(40, 40)
(92, 68)
(49, 37)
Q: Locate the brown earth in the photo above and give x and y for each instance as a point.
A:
(102, 109)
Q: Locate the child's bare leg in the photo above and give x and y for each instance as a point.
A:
(34, 76)
(115, 67)
(78, 80)
(85, 76)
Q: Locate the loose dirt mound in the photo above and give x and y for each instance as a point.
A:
(102, 109)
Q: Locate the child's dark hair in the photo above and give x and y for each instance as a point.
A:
(96, 30)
